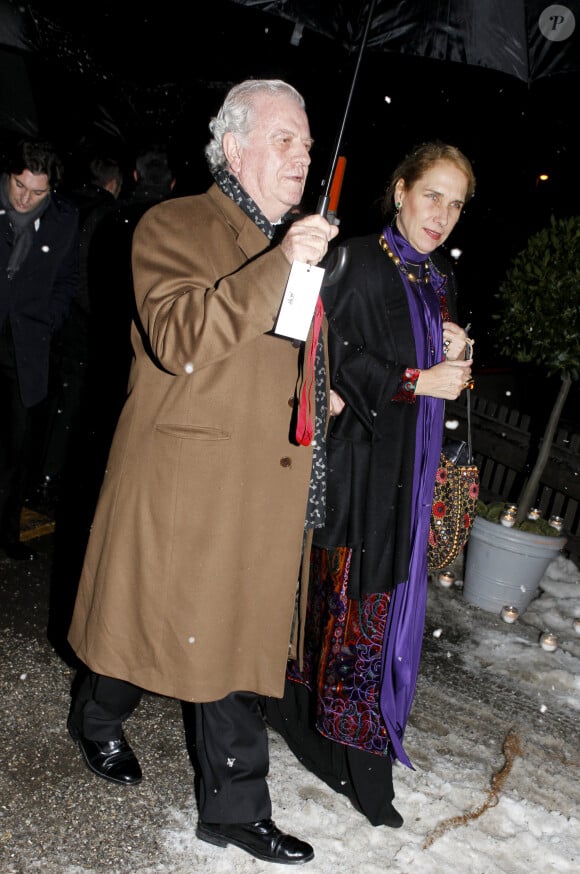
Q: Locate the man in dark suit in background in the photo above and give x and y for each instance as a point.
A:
(39, 254)
(113, 308)
(103, 341)
(70, 399)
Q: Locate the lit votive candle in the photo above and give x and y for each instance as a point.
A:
(534, 514)
(577, 626)
(549, 641)
(447, 578)
(556, 522)
(507, 519)
(509, 613)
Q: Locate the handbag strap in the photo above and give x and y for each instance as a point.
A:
(468, 401)
(469, 354)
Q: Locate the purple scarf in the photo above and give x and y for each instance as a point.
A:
(406, 615)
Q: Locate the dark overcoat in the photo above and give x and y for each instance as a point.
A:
(371, 445)
(38, 297)
(190, 578)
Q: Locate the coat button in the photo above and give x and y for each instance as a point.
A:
(291, 402)
(296, 343)
(285, 461)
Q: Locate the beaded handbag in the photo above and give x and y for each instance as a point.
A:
(454, 501)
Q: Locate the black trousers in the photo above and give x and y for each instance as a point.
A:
(17, 429)
(227, 741)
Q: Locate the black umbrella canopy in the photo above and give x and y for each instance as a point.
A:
(508, 65)
(41, 65)
(498, 78)
(164, 68)
(17, 40)
(159, 70)
(17, 29)
(147, 71)
(528, 39)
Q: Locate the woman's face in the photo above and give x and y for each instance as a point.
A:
(430, 209)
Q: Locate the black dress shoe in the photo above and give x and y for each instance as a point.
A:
(261, 839)
(114, 759)
(19, 551)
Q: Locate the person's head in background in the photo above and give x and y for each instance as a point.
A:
(153, 171)
(34, 170)
(106, 173)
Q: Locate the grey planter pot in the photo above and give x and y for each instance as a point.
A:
(504, 566)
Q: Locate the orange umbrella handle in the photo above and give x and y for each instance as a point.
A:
(336, 186)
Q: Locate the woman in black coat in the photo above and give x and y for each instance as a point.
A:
(396, 354)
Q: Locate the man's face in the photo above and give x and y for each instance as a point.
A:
(272, 163)
(26, 190)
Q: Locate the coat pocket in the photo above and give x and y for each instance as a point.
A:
(193, 432)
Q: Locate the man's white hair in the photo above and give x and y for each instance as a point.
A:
(235, 114)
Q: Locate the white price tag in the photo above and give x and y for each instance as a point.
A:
(299, 301)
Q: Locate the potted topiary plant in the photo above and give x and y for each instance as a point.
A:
(538, 323)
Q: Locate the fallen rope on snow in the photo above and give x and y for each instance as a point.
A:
(511, 749)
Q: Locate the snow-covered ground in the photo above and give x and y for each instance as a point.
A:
(494, 737)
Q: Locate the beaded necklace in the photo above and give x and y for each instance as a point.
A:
(401, 266)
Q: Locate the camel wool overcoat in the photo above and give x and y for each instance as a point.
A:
(190, 578)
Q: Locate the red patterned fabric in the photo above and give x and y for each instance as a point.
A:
(342, 655)
(406, 392)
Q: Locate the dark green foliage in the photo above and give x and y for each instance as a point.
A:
(493, 511)
(539, 320)
(539, 323)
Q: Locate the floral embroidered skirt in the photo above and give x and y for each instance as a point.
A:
(343, 655)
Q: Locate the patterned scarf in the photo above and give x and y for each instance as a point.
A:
(230, 186)
(315, 511)
(22, 224)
